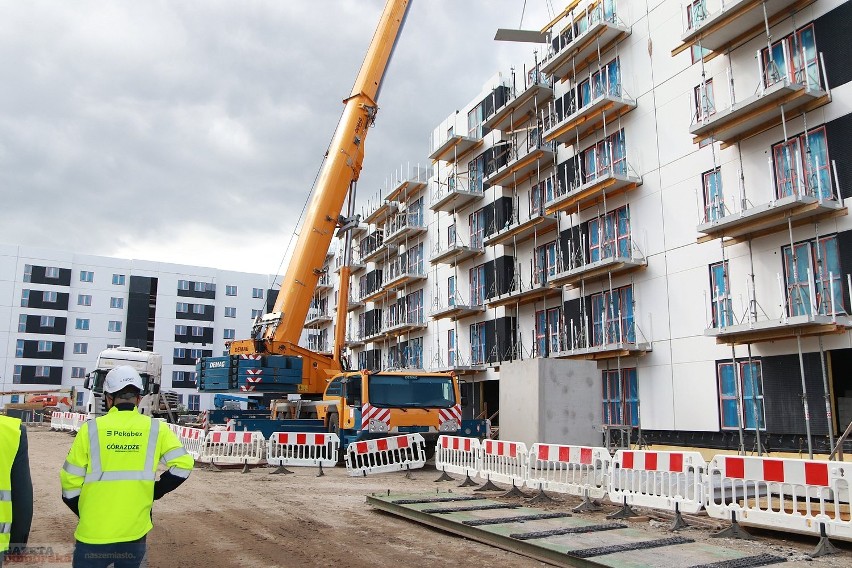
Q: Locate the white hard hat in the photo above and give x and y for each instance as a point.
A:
(120, 377)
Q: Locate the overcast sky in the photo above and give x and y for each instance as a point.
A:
(191, 131)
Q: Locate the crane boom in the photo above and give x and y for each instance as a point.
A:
(279, 331)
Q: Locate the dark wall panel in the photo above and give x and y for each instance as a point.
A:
(782, 388)
(832, 39)
(28, 376)
(839, 135)
(39, 276)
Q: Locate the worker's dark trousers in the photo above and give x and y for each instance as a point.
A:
(119, 555)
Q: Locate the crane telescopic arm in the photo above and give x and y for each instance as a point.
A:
(279, 332)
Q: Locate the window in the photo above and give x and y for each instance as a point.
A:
(229, 334)
(607, 157)
(254, 313)
(49, 297)
(414, 258)
(182, 308)
(196, 353)
(180, 353)
(87, 276)
(81, 323)
(547, 331)
(47, 321)
(197, 331)
(22, 323)
(478, 348)
(80, 401)
(477, 228)
(28, 273)
(414, 307)
(822, 262)
(78, 372)
(609, 236)
(180, 330)
(451, 291)
(714, 202)
(620, 398)
(540, 194)
(19, 348)
(118, 279)
(198, 308)
(451, 347)
(257, 292)
(51, 272)
(230, 312)
(696, 13)
(81, 348)
(16, 374)
(722, 311)
(112, 345)
(114, 326)
(704, 100)
(42, 372)
(475, 118)
(45, 346)
(478, 289)
(802, 166)
(545, 263)
(612, 317)
(476, 173)
(200, 286)
(451, 235)
(116, 303)
(84, 299)
(741, 386)
(193, 403)
(25, 298)
(182, 376)
(792, 59)
(230, 290)
(604, 81)
(183, 285)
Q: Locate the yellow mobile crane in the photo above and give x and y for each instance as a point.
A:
(357, 404)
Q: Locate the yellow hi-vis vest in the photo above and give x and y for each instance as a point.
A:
(112, 467)
(10, 441)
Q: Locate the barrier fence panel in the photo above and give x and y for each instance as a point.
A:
(575, 470)
(191, 438)
(56, 420)
(784, 494)
(660, 480)
(455, 454)
(505, 462)
(233, 448)
(300, 449)
(67, 421)
(386, 454)
(77, 421)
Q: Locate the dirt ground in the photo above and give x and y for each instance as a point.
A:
(258, 520)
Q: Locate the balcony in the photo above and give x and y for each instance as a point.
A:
(454, 253)
(456, 309)
(402, 324)
(615, 258)
(354, 304)
(407, 181)
(607, 106)
(378, 209)
(722, 25)
(373, 250)
(319, 345)
(803, 312)
(376, 296)
(524, 291)
(355, 263)
(518, 110)
(601, 342)
(591, 32)
(518, 230)
(806, 204)
(400, 273)
(457, 363)
(525, 159)
(354, 340)
(403, 226)
(776, 98)
(457, 194)
(316, 317)
(454, 148)
(611, 181)
(324, 284)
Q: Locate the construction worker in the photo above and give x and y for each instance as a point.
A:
(108, 479)
(16, 488)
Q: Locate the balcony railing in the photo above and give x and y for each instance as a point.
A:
(407, 181)
(454, 253)
(595, 27)
(722, 25)
(317, 316)
(777, 97)
(527, 154)
(457, 360)
(521, 104)
(525, 221)
(453, 148)
(404, 225)
(525, 289)
(455, 192)
(401, 272)
(611, 179)
(617, 337)
(734, 318)
(617, 256)
(455, 309)
(401, 321)
(736, 218)
(582, 119)
(324, 283)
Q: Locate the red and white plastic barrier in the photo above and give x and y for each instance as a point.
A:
(233, 448)
(662, 480)
(77, 421)
(191, 438)
(56, 421)
(386, 454)
(300, 449)
(455, 454)
(505, 462)
(783, 494)
(575, 470)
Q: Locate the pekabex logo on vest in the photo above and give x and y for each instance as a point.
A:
(122, 447)
(124, 433)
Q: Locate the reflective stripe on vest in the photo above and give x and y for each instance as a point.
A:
(173, 454)
(5, 495)
(98, 474)
(5, 528)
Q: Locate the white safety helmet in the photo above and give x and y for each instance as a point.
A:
(121, 377)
